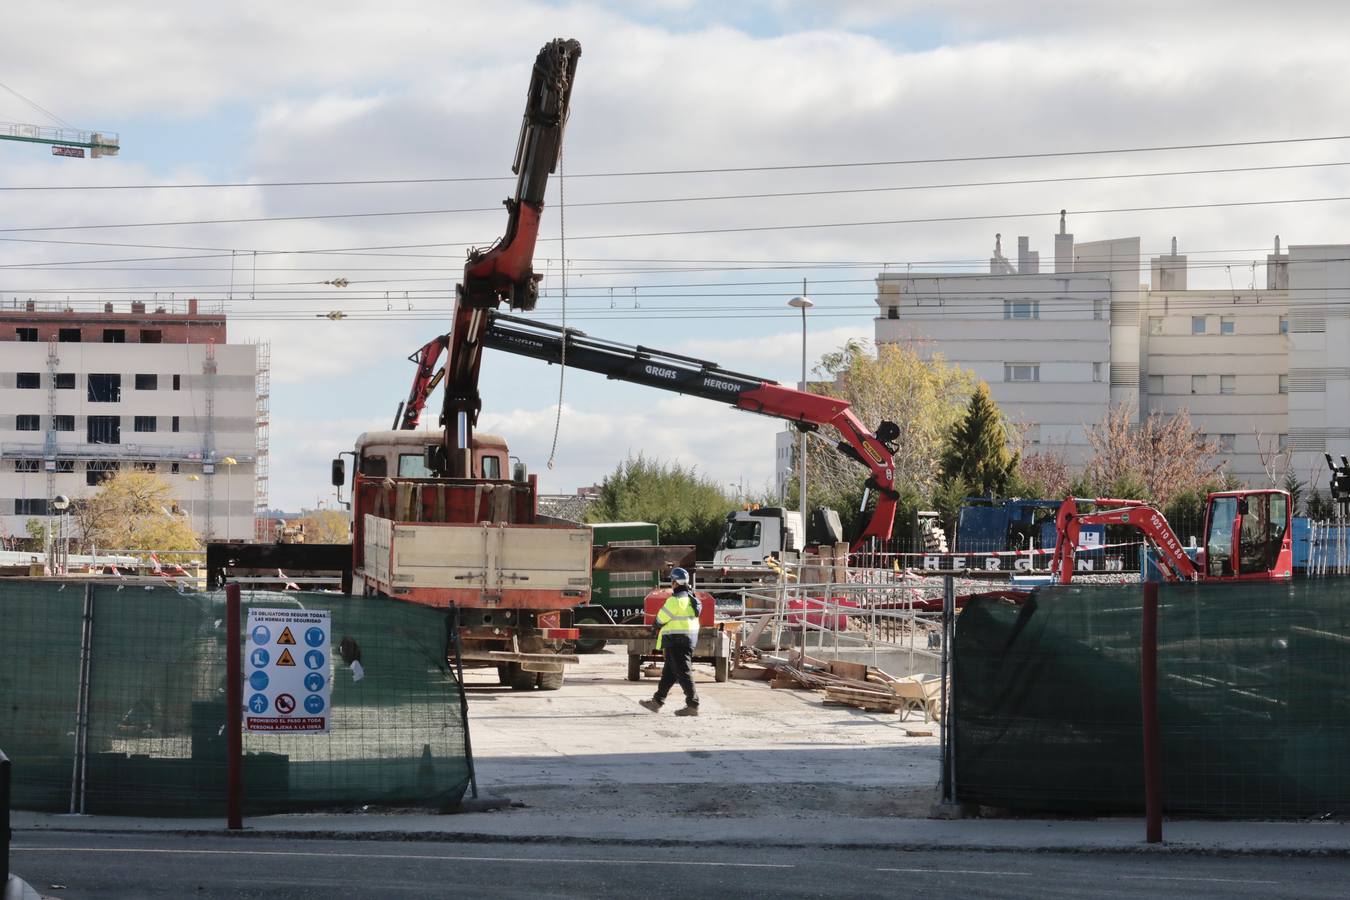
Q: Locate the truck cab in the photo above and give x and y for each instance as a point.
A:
(752, 535)
(404, 454)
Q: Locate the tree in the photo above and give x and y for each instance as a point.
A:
(688, 508)
(326, 526)
(976, 450)
(134, 510)
(924, 398)
(1161, 457)
(1320, 506)
(1043, 474)
(1295, 487)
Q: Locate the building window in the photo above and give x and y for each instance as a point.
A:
(173, 468)
(29, 381)
(65, 381)
(1155, 324)
(1284, 442)
(1227, 384)
(1155, 384)
(26, 506)
(152, 336)
(1226, 442)
(143, 466)
(104, 430)
(1227, 324)
(147, 382)
(1284, 384)
(145, 424)
(1284, 324)
(175, 423)
(105, 388)
(1198, 384)
(27, 465)
(28, 335)
(176, 384)
(65, 465)
(68, 335)
(63, 423)
(1021, 309)
(1197, 324)
(27, 423)
(98, 471)
(1021, 371)
(1096, 371)
(114, 336)
(1098, 308)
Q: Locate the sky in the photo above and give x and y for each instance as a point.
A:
(719, 158)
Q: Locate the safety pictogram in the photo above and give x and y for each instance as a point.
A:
(288, 676)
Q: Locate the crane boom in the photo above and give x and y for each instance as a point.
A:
(701, 378)
(503, 272)
(98, 143)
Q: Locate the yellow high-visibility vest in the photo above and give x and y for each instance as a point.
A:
(677, 616)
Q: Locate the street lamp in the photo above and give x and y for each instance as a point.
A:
(803, 304)
(60, 503)
(230, 462)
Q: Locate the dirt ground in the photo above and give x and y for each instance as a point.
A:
(753, 750)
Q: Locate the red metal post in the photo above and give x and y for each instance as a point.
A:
(234, 711)
(1148, 695)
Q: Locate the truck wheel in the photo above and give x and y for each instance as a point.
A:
(504, 674)
(550, 681)
(519, 679)
(634, 667)
(589, 645)
(721, 668)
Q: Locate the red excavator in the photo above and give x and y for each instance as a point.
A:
(1248, 536)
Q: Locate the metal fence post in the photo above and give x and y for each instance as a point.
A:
(452, 624)
(945, 722)
(234, 711)
(4, 814)
(1148, 695)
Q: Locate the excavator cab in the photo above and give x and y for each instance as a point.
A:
(1248, 536)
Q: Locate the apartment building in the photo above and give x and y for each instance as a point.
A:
(1265, 372)
(85, 393)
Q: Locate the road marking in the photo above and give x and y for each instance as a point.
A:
(956, 871)
(517, 859)
(1194, 878)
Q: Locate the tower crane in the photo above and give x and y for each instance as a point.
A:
(63, 141)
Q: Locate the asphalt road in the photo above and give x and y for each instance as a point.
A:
(79, 865)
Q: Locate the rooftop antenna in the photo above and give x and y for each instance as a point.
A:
(1062, 213)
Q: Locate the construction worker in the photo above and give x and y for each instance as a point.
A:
(677, 632)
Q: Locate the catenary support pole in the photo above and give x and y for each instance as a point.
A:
(1148, 695)
(944, 722)
(234, 711)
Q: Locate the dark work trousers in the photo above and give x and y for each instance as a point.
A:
(679, 659)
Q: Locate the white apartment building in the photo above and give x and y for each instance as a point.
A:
(83, 394)
(1261, 371)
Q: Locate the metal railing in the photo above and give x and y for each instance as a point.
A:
(4, 813)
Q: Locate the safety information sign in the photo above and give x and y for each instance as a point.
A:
(288, 691)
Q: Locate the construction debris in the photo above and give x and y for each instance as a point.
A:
(844, 683)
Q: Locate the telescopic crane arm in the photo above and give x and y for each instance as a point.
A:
(701, 378)
(503, 272)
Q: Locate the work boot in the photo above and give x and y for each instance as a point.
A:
(687, 711)
(653, 705)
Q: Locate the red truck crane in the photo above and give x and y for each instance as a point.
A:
(1248, 536)
(438, 518)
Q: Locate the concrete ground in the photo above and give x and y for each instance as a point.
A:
(753, 750)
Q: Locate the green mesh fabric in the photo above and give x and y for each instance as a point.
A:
(156, 739)
(1253, 698)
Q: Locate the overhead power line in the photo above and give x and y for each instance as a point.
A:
(699, 171)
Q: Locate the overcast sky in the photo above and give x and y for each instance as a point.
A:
(282, 92)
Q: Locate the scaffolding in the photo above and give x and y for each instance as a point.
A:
(263, 385)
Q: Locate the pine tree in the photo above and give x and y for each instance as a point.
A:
(976, 450)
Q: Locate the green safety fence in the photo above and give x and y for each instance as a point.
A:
(112, 701)
(1253, 700)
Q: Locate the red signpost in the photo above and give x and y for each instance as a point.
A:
(234, 711)
(1148, 696)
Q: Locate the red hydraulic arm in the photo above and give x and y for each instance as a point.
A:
(503, 272)
(424, 382)
(1172, 558)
